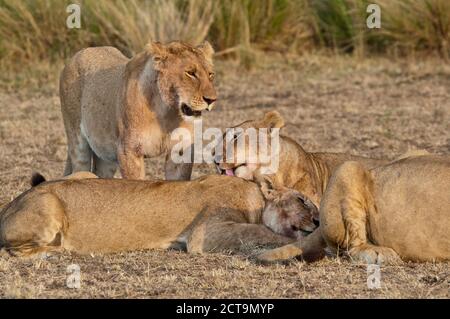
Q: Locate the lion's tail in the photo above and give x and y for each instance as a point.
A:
(412, 153)
(37, 179)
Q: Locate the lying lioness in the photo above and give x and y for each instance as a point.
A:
(307, 173)
(398, 210)
(109, 215)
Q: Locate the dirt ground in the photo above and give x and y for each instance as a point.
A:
(376, 108)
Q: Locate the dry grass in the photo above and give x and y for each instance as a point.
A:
(159, 274)
(35, 30)
(377, 108)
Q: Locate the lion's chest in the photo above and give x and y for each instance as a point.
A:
(153, 141)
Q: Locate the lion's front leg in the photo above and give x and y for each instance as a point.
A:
(355, 212)
(131, 163)
(311, 248)
(372, 254)
(175, 169)
(344, 215)
(228, 235)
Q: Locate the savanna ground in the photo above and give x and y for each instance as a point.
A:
(376, 107)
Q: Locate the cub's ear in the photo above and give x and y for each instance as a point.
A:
(266, 185)
(272, 119)
(207, 50)
(158, 51)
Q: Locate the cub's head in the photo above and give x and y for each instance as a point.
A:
(185, 76)
(243, 155)
(290, 213)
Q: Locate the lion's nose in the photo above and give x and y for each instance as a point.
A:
(209, 100)
(316, 222)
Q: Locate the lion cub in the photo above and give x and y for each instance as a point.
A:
(211, 213)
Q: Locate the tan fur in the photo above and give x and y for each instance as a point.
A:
(80, 175)
(118, 110)
(108, 215)
(400, 210)
(306, 172)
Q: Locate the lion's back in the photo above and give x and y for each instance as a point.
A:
(96, 69)
(94, 59)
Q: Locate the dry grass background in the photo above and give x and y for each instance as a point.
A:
(377, 107)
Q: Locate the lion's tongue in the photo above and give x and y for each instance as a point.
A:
(229, 172)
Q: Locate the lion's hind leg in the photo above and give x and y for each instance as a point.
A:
(103, 168)
(344, 215)
(31, 248)
(68, 166)
(35, 224)
(81, 155)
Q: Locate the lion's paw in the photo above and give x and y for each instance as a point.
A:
(371, 254)
(277, 255)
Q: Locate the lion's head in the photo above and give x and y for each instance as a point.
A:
(241, 156)
(185, 76)
(288, 212)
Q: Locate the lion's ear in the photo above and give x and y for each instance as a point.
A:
(266, 185)
(207, 50)
(158, 51)
(272, 119)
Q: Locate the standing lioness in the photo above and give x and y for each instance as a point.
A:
(398, 210)
(109, 215)
(116, 110)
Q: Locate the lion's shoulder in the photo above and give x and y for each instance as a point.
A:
(96, 58)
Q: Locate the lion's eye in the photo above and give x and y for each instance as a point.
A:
(211, 76)
(191, 73)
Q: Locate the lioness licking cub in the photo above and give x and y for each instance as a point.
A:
(306, 172)
(377, 211)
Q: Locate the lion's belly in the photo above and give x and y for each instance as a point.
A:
(413, 215)
(98, 114)
(102, 138)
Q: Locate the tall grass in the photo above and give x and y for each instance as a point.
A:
(35, 30)
(412, 25)
(407, 26)
(241, 26)
(342, 24)
(129, 24)
(273, 24)
(32, 30)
